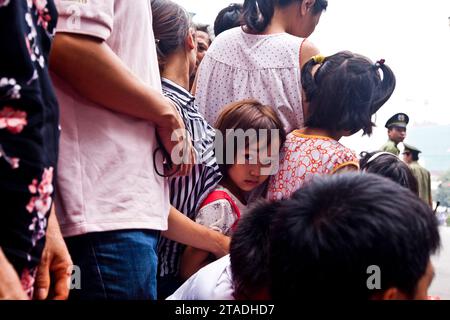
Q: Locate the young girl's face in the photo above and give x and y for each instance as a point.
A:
(256, 169)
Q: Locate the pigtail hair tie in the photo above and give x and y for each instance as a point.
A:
(318, 59)
(380, 63)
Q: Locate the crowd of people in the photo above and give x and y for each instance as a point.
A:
(165, 162)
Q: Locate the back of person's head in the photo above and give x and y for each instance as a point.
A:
(390, 166)
(257, 14)
(247, 115)
(345, 91)
(171, 25)
(330, 236)
(229, 17)
(249, 252)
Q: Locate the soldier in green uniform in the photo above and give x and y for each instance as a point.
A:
(396, 126)
(411, 156)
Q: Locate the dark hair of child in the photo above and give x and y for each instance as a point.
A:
(331, 231)
(228, 18)
(345, 91)
(249, 252)
(390, 166)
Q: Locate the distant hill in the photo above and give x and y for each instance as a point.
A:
(434, 142)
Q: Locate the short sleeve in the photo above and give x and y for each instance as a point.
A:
(93, 17)
(217, 215)
(344, 159)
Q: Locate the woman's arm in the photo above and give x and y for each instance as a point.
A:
(55, 268)
(10, 287)
(184, 230)
(93, 70)
(90, 67)
(217, 216)
(192, 260)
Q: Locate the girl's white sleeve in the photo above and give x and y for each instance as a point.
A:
(217, 215)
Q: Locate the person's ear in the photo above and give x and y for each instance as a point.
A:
(307, 6)
(190, 42)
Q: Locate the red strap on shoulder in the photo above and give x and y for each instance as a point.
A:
(220, 195)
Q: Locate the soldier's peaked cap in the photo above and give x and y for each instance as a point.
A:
(411, 148)
(398, 120)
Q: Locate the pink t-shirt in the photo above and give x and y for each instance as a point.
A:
(106, 179)
(303, 158)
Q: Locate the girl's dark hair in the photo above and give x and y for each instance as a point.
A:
(258, 13)
(346, 90)
(390, 166)
(249, 250)
(246, 115)
(171, 24)
(229, 17)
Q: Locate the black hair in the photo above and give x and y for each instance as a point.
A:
(249, 250)
(328, 235)
(390, 166)
(204, 28)
(258, 13)
(345, 92)
(171, 24)
(229, 17)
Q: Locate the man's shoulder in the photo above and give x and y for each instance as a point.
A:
(416, 166)
(390, 146)
(389, 143)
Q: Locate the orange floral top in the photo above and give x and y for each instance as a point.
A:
(304, 157)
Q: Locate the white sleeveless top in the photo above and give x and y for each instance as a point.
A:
(239, 66)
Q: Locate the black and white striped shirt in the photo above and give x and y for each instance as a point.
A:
(187, 193)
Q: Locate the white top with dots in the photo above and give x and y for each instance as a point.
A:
(240, 66)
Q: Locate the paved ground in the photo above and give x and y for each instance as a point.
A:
(441, 284)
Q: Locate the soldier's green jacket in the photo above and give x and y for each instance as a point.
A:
(423, 181)
(391, 147)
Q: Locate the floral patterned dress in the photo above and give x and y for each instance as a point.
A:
(305, 157)
(29, 132)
